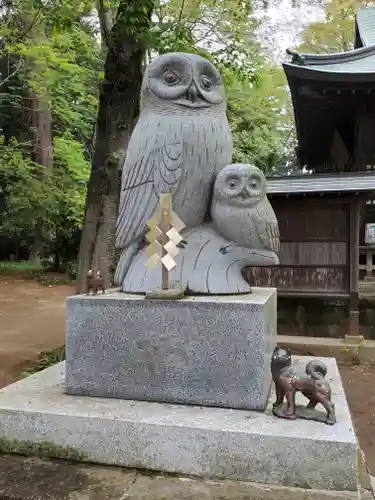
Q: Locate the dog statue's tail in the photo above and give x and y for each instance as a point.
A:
(316, 369)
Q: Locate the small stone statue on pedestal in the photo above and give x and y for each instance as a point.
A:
(94, 283)
(289, 380)
(182, 146)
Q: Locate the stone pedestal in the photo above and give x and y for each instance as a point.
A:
(201, 350)
(38, 417)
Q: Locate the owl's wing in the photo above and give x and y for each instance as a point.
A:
(268, 228)
(145, 177)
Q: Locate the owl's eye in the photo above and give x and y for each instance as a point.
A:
(254, 183)
(206, 82)
(232, 183)
(171, 77)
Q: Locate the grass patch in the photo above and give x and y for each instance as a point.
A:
(50, 279)
(45, 359)
(21, 270)
(28, 270)
(19, 267)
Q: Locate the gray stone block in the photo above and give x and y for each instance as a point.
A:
(207, 442)
(203, 350)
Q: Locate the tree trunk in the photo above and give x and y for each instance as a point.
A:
(118, 110)
(41, 136)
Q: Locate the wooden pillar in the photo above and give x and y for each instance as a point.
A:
(354, 228)
(369, 264)
(370, 250)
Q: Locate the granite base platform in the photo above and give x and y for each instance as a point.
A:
(204, 350)
(36, 414)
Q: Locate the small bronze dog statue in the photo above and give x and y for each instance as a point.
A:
(288, 381)
(94, 283)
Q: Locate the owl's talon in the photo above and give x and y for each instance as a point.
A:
(224, 250)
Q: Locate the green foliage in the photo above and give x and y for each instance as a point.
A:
(23, 199)
(52, 49)
(336, 32)
(63, 65)
(223, 31)
(26, 270)
(53, 201)
(57, 56)
(45, 360)
(256, 116)
(70, 172)
(7, 267)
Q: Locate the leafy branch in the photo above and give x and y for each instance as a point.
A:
(12, 73)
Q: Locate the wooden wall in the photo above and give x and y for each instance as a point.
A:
(314, 257)
(365, 135)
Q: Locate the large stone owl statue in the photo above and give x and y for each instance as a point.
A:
(241, 211)
(181, 141)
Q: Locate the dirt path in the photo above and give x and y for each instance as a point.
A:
(32, 320)
(359, 388)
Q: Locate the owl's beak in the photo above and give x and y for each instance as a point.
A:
(192, 93)
(193, 98)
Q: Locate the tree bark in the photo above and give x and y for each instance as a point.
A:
(118, 111)
(41, 136)
(105, 15)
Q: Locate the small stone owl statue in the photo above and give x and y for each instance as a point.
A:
(240, 209)
(181, 141)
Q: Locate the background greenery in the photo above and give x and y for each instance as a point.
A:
(55, 67)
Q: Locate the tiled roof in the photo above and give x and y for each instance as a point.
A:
(352, 65)
(324, 183)
(344, 66)
(366, 25)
